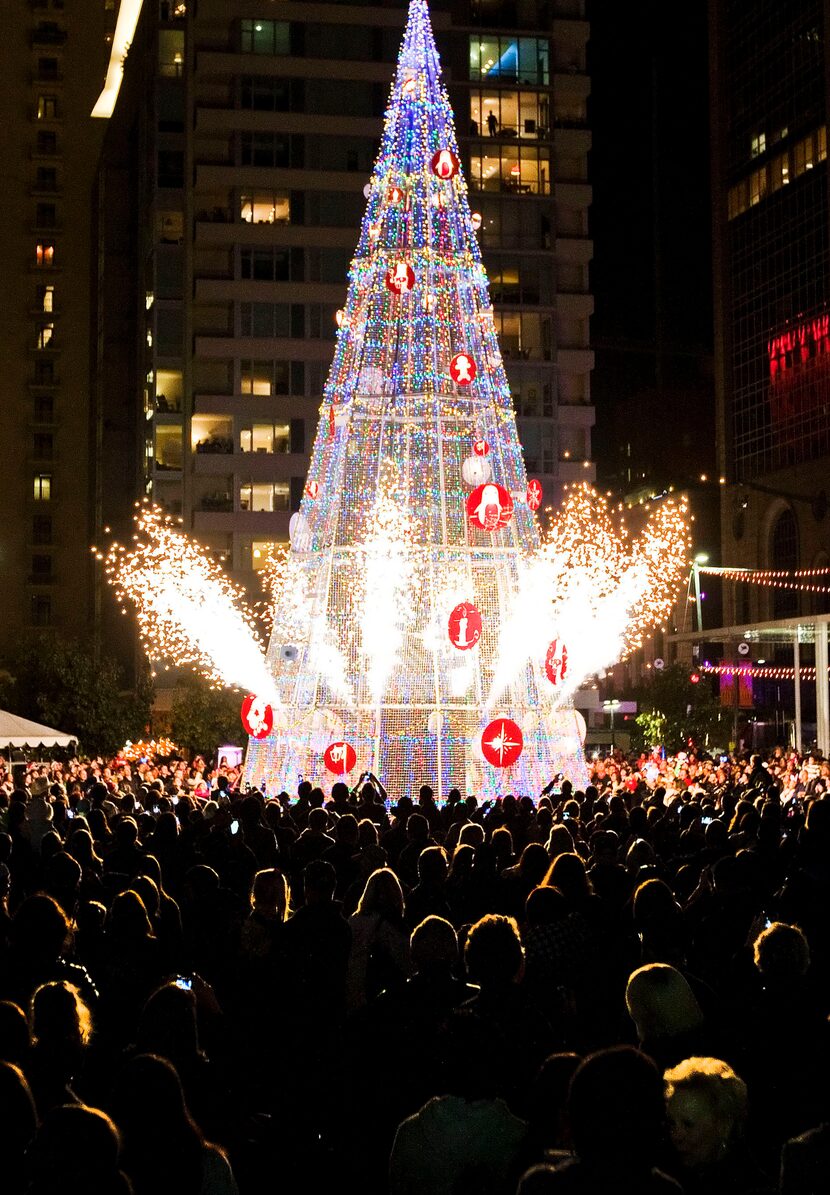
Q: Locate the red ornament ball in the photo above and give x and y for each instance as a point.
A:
(340, 758)
(400, 279)
(463, 369)
(481, 448)
(257, 716)
(312, 489)
(556, 662)
(502, 742)
(464, 626)
(534, 494)
(444, 164)
(489, 507)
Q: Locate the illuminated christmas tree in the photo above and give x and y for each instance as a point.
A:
(389, 636)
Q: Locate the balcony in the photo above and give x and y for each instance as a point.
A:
(575, 360)
(216, 503)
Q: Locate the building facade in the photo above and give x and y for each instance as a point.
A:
(240, 145)
(772, 293)
(52, 57)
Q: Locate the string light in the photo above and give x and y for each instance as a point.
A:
(772, 578)
(766, 672)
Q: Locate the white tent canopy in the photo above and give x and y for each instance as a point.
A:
(20, 732)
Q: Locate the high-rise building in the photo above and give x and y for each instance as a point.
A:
(772, 293)
(238, 151)
(52, 58)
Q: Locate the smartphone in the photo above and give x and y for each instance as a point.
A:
(154, 809)
(724, 758)
(70, 812)
(767, 923)
(185, 982)
(706, 821)
(234, 826)
(556, 790)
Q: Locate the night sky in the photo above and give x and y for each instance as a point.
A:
(650, 220)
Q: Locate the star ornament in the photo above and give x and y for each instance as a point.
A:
(502, 743)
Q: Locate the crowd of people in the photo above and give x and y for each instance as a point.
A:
(623, 989)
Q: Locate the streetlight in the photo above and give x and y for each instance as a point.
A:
(701, 558)
(611, 705)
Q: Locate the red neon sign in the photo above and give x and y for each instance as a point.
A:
(797, 346)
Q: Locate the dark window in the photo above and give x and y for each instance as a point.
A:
(297, 488)
(41, 610)
(170, 168)
(42, 530)
(264, 149)
(42, 446)
(265, 95)
(46, 178)
(44, 373)
(44, 406)
(47, 68)
(42, 567)
(784, 554)
(297, 439)
(46, 215)
(266, 265)
(47, 142)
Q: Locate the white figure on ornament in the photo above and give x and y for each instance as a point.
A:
(488, 511)
(400, 278)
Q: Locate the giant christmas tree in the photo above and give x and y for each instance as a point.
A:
(395, 645)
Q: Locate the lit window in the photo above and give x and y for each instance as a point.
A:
(264, 496)
(261, 551)
(169, 389)
(168, 449)
(170, 227)
(265, 377)
(265, 207)
(171, 52)
(262, 437)
(45, 335)
(42, 487)
(525, 59)
(821, 143)
(46, 295)
(47, 107)
(509, 114)
(758, 144)
(803, 158)
(510, 168)
(757, 186)
(779, 172)
(45, 254)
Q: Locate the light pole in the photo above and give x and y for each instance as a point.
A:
(611, 705)
(700, 559)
